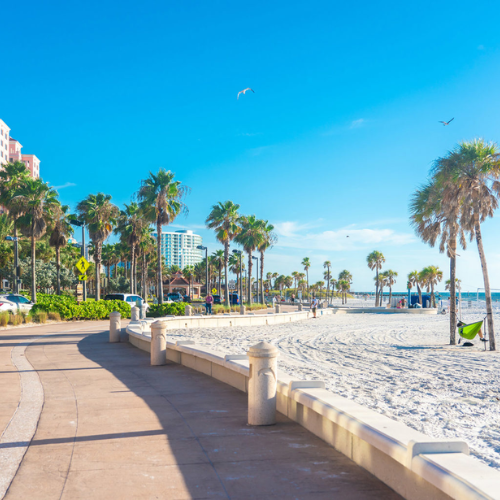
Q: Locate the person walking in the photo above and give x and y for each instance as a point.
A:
(208, 304)
(314, 306)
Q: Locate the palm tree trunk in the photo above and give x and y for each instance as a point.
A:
(390, 293)
(58, 267)
(419, 294)
(226, 272)
(132, 259)
(433, 299)
(376, 288)
(262, 276)
(250, 265)
(487, 290)
(453, 300)
(144, 292)
(97, 257)
(33, 267)
(220, 279)
(158, 251)
(308, 290)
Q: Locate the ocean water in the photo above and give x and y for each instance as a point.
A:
(466, 296)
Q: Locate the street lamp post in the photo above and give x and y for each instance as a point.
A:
(238, 252)
(257, 281)
(201, 247)
(17, 278)
(81, 224)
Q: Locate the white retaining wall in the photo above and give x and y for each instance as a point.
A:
(416, 466)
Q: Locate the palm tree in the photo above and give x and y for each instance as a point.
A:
(375, 261)
(432, 219)
(414, 279)
(218, 260)
(343, 286)
(470, 176)
(188, 273)
(58, 237)
(380, 281)
(307, 264)
(99, 215)
(274, 277)
(250, 238)
(320, 285)
(431, 276)
(295, 276)
(391, 280)
(39, 201)
(223, 218)
(269, 239)
(130, 222)
(333, 282)
(160, 198)
(346, 277)
(234, 267)
(327, 264)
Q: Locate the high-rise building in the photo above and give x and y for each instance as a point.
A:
(179, 248)
(4, 143)
(10, 151)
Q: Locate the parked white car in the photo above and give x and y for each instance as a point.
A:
(127, 297)
(15, 303)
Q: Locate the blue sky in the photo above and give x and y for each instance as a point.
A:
(342, 128)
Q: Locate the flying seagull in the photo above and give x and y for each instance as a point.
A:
(446, 123)
(243, 92)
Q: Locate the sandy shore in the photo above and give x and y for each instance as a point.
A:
(399, 365)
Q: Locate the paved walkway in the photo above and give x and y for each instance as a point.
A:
(114, 427)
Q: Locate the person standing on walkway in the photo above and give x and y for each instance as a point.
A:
(314, 306)
(208, 304)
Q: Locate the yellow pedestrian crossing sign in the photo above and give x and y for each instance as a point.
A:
(82, 265)
(83, 277)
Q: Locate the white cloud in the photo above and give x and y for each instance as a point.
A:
(295, 235)
(65, 185)
(357, 123)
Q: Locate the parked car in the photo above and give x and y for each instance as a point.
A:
(15, 303)
(234, 299)
(186, 299)
(127, 297)
(174, 297)
(216, 299)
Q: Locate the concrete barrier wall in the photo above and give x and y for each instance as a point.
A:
(380, 310)
(416, 466)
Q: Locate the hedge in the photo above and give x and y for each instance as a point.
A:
(169, 309)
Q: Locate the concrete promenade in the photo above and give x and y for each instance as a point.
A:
(112, 426)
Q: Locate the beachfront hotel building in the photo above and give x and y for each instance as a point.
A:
(179, 248)
(10, 151)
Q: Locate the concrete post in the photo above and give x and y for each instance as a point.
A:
(144, 311)
(135, 313)
(159, 343)
(277, 309)
(242, 309)
(115, 326)
(262, 384)
(299, 308)
(188, 310)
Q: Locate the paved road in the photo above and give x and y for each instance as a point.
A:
(112, 427)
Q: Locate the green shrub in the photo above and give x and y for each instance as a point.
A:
(40, 317)
(170, 309)
(54, 316)
(4, 318)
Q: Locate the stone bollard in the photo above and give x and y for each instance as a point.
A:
(135, 313)
(144, 311)
(299, 308)
(115, 326)
(188, 310)
(159, 343)
(242, 309)
(277, 309)
(262, 384)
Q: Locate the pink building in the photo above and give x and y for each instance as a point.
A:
(10, 151)
(4, 143)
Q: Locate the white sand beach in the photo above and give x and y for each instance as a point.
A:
(398, 365)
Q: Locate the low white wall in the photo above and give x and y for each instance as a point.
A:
(380, 310)
(416, 466)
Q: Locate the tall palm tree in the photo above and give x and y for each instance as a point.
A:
(433, 219)
(346, 277)
(471, 178)
(269, 239)
(39, 201)
(274, 276)
(107, 258)
(414, 279)
(381, 281)
(375, 261)
(250, 238)
(343, 286)
(218, 260)
(295, 276)
(307, 264)
(223, 219)
(160, 198)
(333, 282)
(431, 276)
(391, 281)
(99, 215)
(327, 265)
(129, 224)
(58, 236)
(188, 273)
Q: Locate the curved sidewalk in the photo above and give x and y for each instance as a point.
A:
(114, 427)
